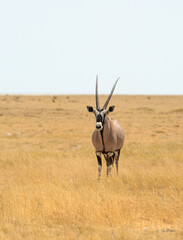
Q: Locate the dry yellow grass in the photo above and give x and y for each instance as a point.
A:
(48, 180)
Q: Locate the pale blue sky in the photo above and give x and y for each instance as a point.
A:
(58, 46)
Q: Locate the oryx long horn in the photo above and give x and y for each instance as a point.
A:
(110, 95)
(96, 95)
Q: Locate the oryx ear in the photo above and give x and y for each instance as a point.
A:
(90, 109)
(111, 108)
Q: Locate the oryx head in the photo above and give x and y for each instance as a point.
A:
(100, 113)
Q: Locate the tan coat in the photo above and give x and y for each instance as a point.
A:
(112, 139)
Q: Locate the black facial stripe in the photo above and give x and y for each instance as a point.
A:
(99, 118)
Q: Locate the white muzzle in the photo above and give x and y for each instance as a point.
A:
(99, 126)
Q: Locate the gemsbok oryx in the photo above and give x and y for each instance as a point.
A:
(108, 136)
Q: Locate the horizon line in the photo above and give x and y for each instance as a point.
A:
(88, 94)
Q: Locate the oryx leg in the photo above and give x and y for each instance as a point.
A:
(98, 154)
(116, 157)
(109, 157)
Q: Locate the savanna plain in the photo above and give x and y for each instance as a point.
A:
(48, 170)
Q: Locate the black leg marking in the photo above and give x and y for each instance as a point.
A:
(98, 154)
(109, 157)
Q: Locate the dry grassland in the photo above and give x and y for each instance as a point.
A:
(48, 170)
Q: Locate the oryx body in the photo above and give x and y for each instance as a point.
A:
(108, 137)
